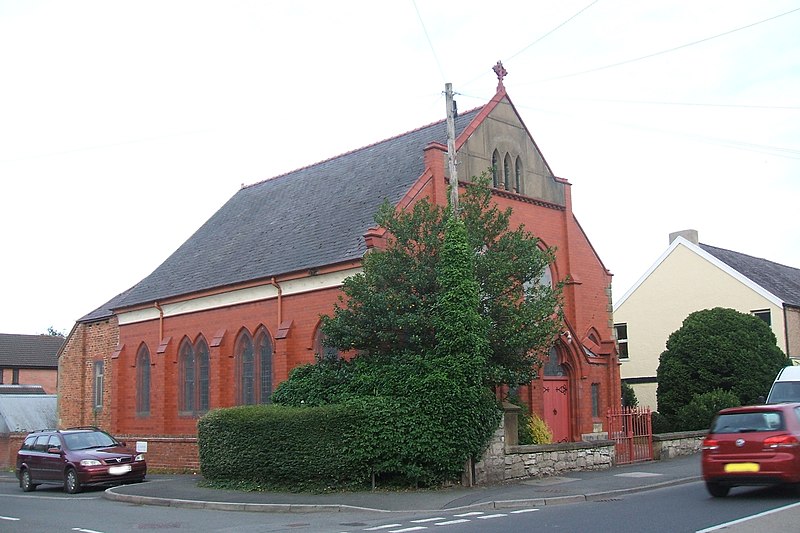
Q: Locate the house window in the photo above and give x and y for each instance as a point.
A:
(143, 381)
(596, 400)
(518, 176)
(621, 331)
(254, 367)
(97, 392)
(194, 377)
(495, 169)
(507, 172)
(322, 349)
(764, 315)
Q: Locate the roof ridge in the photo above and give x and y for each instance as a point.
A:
(356, 150)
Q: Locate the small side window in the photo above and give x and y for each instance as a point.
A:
(28, 444)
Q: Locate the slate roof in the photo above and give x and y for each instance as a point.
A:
(308, 218)
(29, 351)
(781, 280)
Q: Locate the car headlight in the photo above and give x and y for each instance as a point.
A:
(139, 457)
(90, 462)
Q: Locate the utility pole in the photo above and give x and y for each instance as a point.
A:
(451, 147)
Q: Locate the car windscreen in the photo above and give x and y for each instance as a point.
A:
(784, 391)
(748, 422)
(89, 439)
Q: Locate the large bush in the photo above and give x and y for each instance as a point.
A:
(717, 349)
(699, 412)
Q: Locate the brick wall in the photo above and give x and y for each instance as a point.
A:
(89, 342)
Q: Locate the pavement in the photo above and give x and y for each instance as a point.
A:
(572, 487)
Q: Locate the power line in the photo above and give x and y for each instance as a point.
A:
(554, 29)
(547, 34)
(430, 43)
(648, 56)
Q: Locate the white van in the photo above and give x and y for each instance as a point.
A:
(786, 387)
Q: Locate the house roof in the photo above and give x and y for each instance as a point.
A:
(27, 412)
(778, 283)
(308, 218)
(29, 351)
(781, 280)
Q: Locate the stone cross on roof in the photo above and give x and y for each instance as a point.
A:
(501, 72)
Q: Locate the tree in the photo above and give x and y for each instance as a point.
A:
(53, 332)
(717, 349)
(390, 308)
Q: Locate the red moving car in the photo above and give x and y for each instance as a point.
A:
(76, 457)
(752, 445)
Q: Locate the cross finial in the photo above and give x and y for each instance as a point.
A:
(501, 72)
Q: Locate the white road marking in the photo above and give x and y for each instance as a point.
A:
(11, 518)
(451, 522)
(417, 528)
(473, 513)
(747, 518)
(85, 530)
(488, 516)
(423, 520)
(378, 528)
(518, 511)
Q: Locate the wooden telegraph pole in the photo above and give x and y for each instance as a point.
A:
(451, 147)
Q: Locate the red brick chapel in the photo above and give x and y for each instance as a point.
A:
(234, 309)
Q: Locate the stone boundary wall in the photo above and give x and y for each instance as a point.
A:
(669, 445)
(505, 461)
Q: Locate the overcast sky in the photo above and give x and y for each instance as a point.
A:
(124, 125)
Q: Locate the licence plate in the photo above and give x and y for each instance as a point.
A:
(117, 470)
(742, 467)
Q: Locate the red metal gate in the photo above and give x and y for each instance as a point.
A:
(631, 429)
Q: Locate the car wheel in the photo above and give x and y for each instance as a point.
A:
(717, 490)
(25, 481)
(72, 484)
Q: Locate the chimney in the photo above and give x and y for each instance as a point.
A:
(688, 234)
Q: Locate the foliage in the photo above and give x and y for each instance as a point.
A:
(539, 430)
(429, 411)
(717, 349)
(699, 412)
(250, 445)
(53, 332)
(628, 395)
(390, 307)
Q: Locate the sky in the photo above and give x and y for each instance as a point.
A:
(124, 125)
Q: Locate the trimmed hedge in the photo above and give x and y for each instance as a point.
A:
(301, 448)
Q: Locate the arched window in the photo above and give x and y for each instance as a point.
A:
(507, 172)
(495, 169)
(264, 351)
(518, 175)
(322, 350)
(193, 362)
(552, 366)
(143, 381)
(254, 367)
(245, 361)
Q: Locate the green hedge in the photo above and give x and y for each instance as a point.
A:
(278, 446)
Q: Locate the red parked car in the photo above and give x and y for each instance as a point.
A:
(752, 445)
(76, 457)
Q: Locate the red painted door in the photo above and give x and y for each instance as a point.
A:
(556, 407)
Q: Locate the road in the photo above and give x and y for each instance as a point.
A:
(683, 508)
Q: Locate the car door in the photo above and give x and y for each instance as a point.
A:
(36, 457)
(52, 460)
